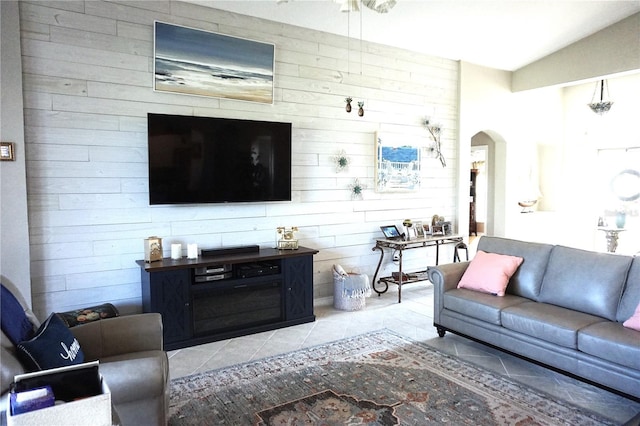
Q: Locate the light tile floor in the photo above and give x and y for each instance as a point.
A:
(412, 318)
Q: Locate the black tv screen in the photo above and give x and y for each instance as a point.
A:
(217, 160)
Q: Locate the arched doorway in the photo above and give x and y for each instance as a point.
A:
(494, 179)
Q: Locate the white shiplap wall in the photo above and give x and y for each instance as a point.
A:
(87, 69)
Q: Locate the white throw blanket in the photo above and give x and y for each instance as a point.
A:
(353, 285)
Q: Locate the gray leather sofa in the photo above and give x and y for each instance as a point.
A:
(564, 308)
(132, 362)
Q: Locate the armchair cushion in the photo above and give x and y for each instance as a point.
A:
(120, 335)
(52, 346)
(15, 323)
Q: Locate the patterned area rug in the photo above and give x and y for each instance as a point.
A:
(375, 379)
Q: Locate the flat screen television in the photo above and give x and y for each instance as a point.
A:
(195, 160)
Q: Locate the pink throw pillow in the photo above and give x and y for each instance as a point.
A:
(634, 321)
(490, 272)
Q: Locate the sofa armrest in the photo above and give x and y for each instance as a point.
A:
(120, 335)
(444, 278)
(10, 367)
(447, 277)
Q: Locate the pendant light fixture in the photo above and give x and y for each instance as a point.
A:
(604, 105)
(348, 6)
(380, 6)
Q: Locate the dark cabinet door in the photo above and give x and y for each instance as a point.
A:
(168, 292)
(298, 279)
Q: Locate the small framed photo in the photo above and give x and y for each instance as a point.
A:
(437, 230)
(411, 233)
(427, 229)
(6, 151)
(390, 232)
(446, 228)
(419, 229)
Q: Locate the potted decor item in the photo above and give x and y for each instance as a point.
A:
(348, 106)
(360, 109)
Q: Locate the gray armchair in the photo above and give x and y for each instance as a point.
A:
(132, 362)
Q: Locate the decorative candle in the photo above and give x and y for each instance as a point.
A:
(192, 251)
(176, 251)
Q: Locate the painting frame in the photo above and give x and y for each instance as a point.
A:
(7, 151)
(198, 62)
(419, 229)
(398, 163)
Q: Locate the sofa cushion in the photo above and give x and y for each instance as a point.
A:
(631, 295)
(585, 281)
(482, 306)
(547, 322)
(527, 280)
(611, 341)
(52, 346)
(489, 272)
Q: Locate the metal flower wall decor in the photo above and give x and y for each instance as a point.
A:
(435, 130)
(357, 189)
(342, 161)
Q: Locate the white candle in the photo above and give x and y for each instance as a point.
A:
(176, 251)
(192, 251)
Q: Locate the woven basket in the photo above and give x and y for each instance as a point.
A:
(344, 298)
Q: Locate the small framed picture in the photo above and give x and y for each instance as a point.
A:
(411, 233)
(427, 229)
(390, 232)
(6, 151)
(437, 230)
(419, 229)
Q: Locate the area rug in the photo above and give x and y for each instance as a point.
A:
(379, 378)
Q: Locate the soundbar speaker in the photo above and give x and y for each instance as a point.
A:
(222, 251)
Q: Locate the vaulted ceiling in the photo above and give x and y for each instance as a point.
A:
(502, 34)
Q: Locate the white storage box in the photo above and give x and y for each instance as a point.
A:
(92, 410)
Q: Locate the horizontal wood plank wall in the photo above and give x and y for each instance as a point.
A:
(87, 89)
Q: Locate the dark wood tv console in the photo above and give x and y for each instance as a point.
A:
(218, 297)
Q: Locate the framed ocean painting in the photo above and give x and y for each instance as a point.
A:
(203, 63)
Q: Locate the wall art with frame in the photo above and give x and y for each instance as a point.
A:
(203, 63)
(7, 151)
(397, 163)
